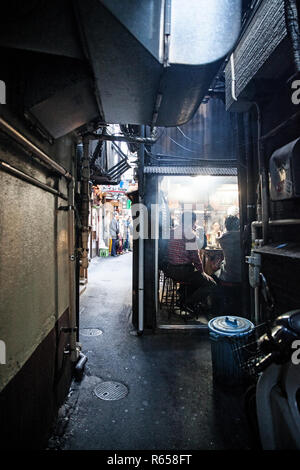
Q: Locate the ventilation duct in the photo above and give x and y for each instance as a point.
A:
(144, 62)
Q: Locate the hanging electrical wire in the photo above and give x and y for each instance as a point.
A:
(188, 138)
(179, 145)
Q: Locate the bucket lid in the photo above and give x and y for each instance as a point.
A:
(230, 325)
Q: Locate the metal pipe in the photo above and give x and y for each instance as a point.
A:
(254, 225)
(80, 365)
(263, 179)
(141, 154)
(283, 222)
(120, 172)
(233, 79)
(256, 306)
(85, 201)
(117, 171)
(74, 351)
(119, 151)
(119, 138)
(116, 167)
(141, 272)
(29, 179)
(18, 137)
(167, 32)
(249, 165)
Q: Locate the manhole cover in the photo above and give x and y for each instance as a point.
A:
(91, 331)
(111, 391)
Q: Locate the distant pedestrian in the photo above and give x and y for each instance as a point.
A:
(128, 233)
(114, 233)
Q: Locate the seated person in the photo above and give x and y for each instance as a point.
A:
(230, 270)
(201, 238)
(214, 233)
(184, 264)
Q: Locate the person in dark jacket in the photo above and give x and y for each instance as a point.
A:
(230, 270)
(114, 233)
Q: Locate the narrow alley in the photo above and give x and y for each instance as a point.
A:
(149, 227)
(171, 401)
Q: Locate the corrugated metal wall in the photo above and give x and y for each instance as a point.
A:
(209, 135)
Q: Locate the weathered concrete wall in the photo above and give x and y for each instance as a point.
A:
(33, 269)
(34, 285)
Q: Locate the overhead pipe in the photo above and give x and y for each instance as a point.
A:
(122, 167)
(131, 139)
(21, 139)
(119, 151)
(121, 172)
(30, 179)
(116, 165)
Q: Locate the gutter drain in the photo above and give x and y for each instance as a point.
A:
(111, 391)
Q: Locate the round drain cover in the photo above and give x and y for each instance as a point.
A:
(111, 391)
(91, 331)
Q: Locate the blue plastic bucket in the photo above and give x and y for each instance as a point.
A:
(230, 338)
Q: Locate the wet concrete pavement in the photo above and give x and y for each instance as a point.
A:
(171, 401)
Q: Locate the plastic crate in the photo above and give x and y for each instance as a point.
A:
(103, 252)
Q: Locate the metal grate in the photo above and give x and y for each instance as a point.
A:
(111, 391)
(179, 170)
(91, 332)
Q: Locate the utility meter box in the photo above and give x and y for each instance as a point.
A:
(285, 172)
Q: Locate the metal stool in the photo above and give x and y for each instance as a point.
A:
(168, 291)
(171, 298)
